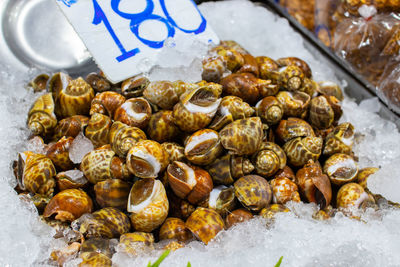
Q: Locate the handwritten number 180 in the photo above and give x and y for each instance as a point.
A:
(135, 21)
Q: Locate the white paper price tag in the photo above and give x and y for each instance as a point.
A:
(121, 33)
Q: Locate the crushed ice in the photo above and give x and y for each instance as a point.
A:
(302, 241)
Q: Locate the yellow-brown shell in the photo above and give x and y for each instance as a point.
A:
(269, 159)
(249, 65)
(98, 128)
(321, 113)
(309, 87)
(268, 68)
(294, 61)
(179, 208)
(351, 195)
(330, 89)
(39, 83)
(237, 216)
(291, 78)
(148, 204)
(314, 184)
(205, 224)
(253, 192)
(243, 85)
(123, 137)
(270, 110)
(230, 44)
(146, 159)
(107, 222)
(292, 128)
(203, 147)
(134, 86)
(106, 103)
(98, 82)
(196, 109)
(102, 164)
(222, 199)
(75, 99)
(242, 137)
(35, 173)
(341, 168)
(213, 68)
(69, 205)
(230, 109)
(59, 153)
(286, 172)
(340, 140)
(134, 112)
(226, 169)
(41, 117)
(295, 104)
(189, 182)
(166, 94)
(94, 259)
(70, 179)
(300, 150)
(161, 126)
(174, 228)
(70, 126)
(98, 244)
(284, 190)
(175, 152)
(270, 211)
(136, 242)
(112, 193)
(363, 175)
(233, 59)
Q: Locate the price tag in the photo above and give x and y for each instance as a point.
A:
(120, 34)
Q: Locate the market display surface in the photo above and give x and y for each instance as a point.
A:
(293, 113)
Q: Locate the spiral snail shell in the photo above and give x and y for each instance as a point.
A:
(148, 205)
(123, 137)
(292, 128)
(35, 173)
(249, 65)
(39, 83)
(243, 85)
(324, 110)
(222, 199)
(41, 118)
(340, 140)
(203, 147)
(161, 126)
(294, 104)
(300, 150)
(98, 82)
(59, 153)
(268, 68)
(134, 87)
(175, 151)
(270, 110)
(341, 168)
(134, 112)
(330, 89)
(71, 179)
(97, 129)
(269, 159)
(294, 61)
(253, 192)
(174, 228)
(284, 190)
(106, 103)
(70, 126)
(237, 216)
(112, 193)
(213, 68)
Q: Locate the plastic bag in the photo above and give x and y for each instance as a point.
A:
(362, 41)
(389, 85)
(301, 10)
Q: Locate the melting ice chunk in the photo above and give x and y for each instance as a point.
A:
(79, 148)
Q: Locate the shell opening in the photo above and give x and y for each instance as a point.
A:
(137, 110)
(214, 196)
(199, 144)
(141, 195)
(343, 169)
(145, 164)
(183, 172)
(203, 101)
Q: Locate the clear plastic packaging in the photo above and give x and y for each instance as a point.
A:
(388, 87)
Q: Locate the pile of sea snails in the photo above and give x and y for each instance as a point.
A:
(175, 161)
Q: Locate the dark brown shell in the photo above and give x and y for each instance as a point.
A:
(69, 205)
(314, 184)
(268, 68)
(59, 153)
(243, 85)
(191, 183)
(253, 192)
(161, 127)
(226, 169)
(321, 113)
(134, 87)
(205, 224)
(249, 65)
(134, 112)
(237, 216)
(98, 82)
(242, 137)
(112, 193)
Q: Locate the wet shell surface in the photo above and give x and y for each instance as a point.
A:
(59, 153)
(69, 205)
(228, 168)
(148, 205)
(269, 159)
(284, 190)
(134, 112)
(253, 192)
(123, 137)
(351, 195)
(112, 193)
(98, 128)
(270, 110)
(41, 117)
(106, 103)
(292, 128)
(340, 140)
(161, 127)
(96, 165)
(174, 228)
(341, 168)
(242, 137)
(300, 150)
(203, 147)
(146, 159)
(237, 216)
(205, 224)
